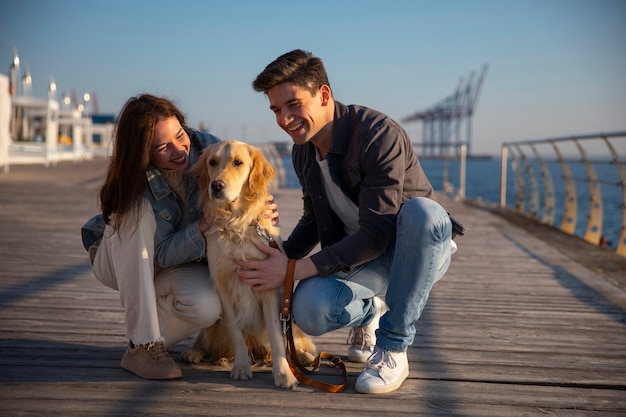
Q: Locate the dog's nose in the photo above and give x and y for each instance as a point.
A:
(217, 185)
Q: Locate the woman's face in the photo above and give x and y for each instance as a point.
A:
(170, 145)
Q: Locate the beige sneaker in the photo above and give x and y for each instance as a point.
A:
(150, 361)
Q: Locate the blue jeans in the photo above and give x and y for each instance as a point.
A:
(404, 274)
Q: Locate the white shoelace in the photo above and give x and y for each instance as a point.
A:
(380, 358)
(359, 337)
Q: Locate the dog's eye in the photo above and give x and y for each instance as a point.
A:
(237, 162)
(212, 162)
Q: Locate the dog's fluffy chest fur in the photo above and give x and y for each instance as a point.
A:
(224, 245)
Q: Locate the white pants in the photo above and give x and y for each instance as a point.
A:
(168, 307)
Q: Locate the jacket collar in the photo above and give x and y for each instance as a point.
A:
(156, 182)
(341, 129)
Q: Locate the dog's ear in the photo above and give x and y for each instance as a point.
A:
(262, 171)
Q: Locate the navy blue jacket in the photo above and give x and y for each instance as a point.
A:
(373, 162)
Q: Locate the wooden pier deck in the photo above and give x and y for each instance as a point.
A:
(525, 323)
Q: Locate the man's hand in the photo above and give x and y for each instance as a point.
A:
(271, 210)
(267, 274)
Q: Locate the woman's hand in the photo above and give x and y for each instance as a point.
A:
(271, 210)
(267, 274)
(206, 221)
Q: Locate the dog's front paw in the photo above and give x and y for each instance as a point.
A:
(306, 358)
(193, 356)
(241, 372)
(283, 377)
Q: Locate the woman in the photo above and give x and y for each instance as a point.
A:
(148, 241)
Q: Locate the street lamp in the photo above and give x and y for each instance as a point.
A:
(86, 98)
(66, 101)
(14, 73)
(52, 89)
(27, 81)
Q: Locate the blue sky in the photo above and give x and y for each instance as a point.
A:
(556, 67)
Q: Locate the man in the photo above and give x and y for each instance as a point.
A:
(372, 208)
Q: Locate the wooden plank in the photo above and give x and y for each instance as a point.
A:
(108, 395)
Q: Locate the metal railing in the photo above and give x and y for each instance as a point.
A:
(580, 169)
(456, 152)
(274, 157)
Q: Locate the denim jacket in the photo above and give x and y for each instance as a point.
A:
(372, 160)
(173, 245)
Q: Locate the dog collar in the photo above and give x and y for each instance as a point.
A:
(261, 232)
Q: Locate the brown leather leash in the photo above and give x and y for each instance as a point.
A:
(292, 355)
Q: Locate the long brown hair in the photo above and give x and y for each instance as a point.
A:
(126, 176)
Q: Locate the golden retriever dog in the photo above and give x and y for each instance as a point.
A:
(234, 179)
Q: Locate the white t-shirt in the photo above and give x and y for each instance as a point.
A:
(343, 207)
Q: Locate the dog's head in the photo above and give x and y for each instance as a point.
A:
(231, 171)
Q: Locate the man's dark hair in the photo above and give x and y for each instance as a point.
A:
(298, 67)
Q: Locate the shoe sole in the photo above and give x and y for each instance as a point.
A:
(384, 388)
(359, 358)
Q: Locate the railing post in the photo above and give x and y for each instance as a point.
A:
(503, 171)
(52, 132)
(621, 172)
(568, 223)
(549, 203)
(5, 121)
(593, 232)
(531, 181)
(87, 148)
(462, 168)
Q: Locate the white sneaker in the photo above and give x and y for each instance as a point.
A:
(385, 372)
(363, 339)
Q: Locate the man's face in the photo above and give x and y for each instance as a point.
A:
(298, 112)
